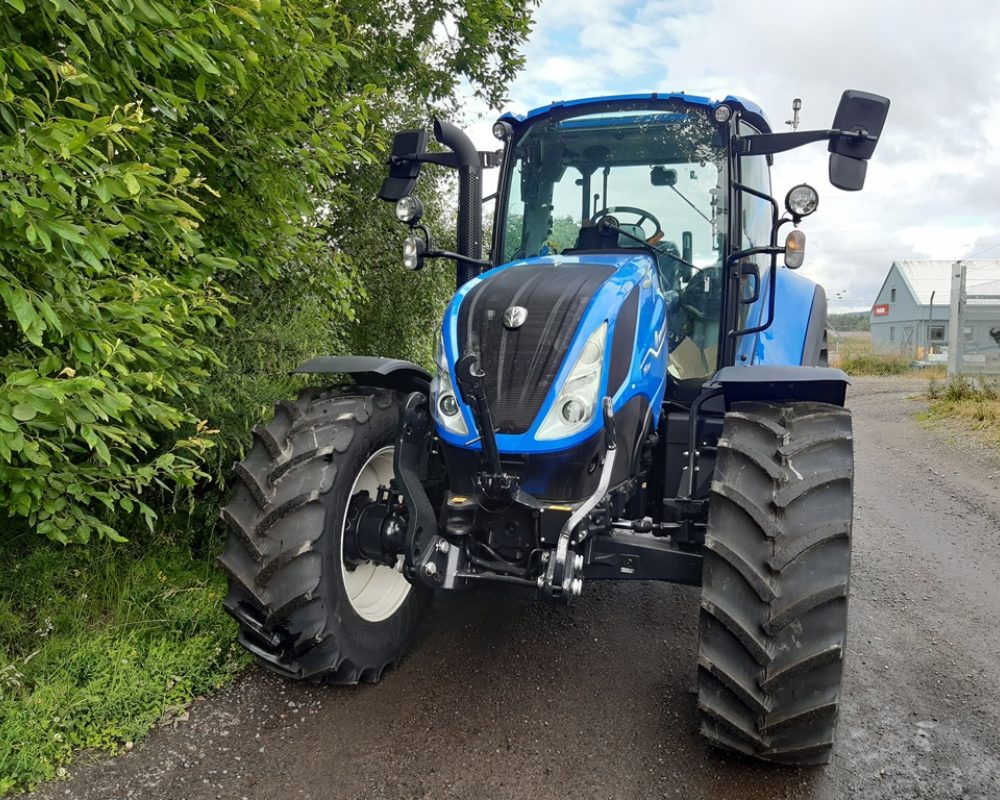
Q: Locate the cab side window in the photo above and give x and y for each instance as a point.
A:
(756, 213)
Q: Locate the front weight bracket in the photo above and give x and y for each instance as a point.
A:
(410, 464)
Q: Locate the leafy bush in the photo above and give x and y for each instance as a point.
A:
(97, 644)
(160, 161)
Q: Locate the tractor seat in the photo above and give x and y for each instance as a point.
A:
(591, 238)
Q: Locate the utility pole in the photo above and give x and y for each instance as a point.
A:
(955, 340)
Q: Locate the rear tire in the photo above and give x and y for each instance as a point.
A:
(773, 623)
(300, 610)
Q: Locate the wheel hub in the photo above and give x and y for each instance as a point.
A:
(374, 586)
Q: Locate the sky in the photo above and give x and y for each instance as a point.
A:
(933, 188)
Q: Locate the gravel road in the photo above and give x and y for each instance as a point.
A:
(505, 698)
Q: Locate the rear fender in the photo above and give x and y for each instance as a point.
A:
(387, 373)
(779, 384)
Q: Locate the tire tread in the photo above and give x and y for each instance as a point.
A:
(774, 608)
(274, 557)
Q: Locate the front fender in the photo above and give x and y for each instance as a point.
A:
(387, 373)
(796, 336)
(780, 384)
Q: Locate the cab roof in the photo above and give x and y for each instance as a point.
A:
(752, 112)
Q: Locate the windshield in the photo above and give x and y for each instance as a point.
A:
(660, 172)
(568, 173)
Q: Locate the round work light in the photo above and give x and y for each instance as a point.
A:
(409, 210)
(801, 200)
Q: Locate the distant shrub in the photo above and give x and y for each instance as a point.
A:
(959, 389)
(875, 364)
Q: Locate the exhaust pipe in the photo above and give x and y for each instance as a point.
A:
(470, 196)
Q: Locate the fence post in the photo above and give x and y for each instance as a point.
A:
(955, 337)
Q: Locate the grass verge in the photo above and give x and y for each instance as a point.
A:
(975, 404)
(97, 644)
(856, 357)
(875, 364)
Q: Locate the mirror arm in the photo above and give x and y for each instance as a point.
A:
(770, 250)
(767, 143)
(477, 262)
(450, 160)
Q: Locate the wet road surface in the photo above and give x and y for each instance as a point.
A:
(502, 697)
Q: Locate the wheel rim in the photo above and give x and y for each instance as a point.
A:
(375, 591)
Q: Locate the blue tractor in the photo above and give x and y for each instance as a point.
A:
(630, 387)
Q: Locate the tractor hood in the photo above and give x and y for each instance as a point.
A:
(529, 323)
(521, 322)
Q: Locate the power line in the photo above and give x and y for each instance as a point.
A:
(980, 252)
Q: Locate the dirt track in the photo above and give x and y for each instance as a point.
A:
(506, 698)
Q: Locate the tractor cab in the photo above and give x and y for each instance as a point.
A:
(629, 175)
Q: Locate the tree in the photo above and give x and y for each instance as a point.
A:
(157, 163)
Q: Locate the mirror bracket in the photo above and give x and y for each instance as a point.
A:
(760, 144)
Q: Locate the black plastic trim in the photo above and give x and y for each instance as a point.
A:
(387, 373)
(813, 351)
(777, 384)
(623, 342)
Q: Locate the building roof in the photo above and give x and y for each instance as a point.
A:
(991, 290)
(925, 278)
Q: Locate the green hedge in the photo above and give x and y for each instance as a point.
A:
(160, 163)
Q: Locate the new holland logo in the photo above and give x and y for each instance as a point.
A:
(514, 317)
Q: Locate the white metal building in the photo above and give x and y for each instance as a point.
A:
(911, 311)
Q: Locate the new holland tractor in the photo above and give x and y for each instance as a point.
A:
(630, 387)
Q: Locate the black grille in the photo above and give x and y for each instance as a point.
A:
(521, 364)
(622, 346)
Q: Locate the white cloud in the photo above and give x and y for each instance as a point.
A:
(934, 185)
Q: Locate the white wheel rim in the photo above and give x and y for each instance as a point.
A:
(375, 591)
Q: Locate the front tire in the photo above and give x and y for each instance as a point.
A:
(773, 624)
(301, 610)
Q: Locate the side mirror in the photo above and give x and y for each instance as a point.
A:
(862, 114)
(661, 176)
(749, 275)
(404, 168)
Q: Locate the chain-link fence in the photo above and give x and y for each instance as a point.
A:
(847, 334)
(974, 323)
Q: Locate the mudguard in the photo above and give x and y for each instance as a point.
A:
(387, 373)
(781, 383)
(797, 334)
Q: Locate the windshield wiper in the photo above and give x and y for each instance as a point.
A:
(697, 210)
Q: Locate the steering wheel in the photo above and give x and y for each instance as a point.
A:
(640, 212)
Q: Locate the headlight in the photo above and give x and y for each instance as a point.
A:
(409, 210)
(574, 407)
(443, 398)
(413, 253)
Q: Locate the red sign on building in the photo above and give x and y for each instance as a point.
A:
(881, 310)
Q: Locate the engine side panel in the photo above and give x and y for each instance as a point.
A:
(791, 338)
